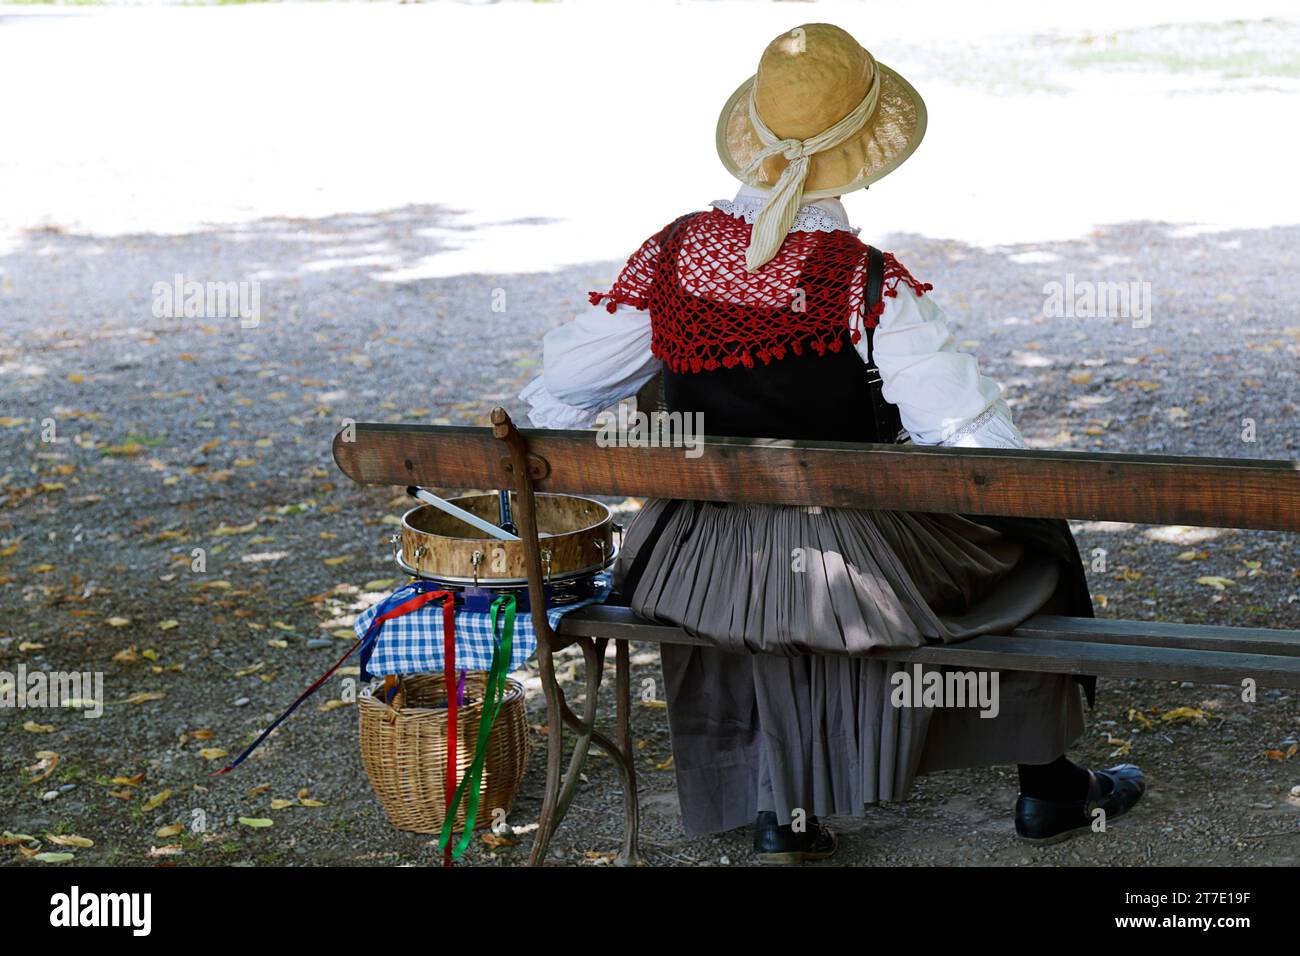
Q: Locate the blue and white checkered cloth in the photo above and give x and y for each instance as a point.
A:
(412, 643)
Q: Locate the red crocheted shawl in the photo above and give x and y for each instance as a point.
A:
(708, 312)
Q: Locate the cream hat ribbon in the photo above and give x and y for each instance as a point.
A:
(777, 215)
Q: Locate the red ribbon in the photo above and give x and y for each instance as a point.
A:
(449, 680)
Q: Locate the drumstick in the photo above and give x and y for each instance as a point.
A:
(472, 520)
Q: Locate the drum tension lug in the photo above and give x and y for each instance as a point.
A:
(538, 467)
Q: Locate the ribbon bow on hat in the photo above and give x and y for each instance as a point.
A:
(777, 214)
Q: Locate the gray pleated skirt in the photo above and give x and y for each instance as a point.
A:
(781, 712)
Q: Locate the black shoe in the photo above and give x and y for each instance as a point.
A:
(780, 844)
(1046, 821)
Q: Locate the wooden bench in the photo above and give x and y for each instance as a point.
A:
(1204, 492)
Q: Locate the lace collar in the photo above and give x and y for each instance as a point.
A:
(823, 215)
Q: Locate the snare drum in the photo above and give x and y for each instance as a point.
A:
(576, 537)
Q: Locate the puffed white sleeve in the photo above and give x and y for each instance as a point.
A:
(941, 396)
(589, 364)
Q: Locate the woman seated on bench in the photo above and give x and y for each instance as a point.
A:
(769, 316)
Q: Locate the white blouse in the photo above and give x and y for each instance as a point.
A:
(600, 358)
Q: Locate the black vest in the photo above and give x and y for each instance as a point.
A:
(808, 397)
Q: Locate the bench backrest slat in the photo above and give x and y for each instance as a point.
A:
(1204, 492)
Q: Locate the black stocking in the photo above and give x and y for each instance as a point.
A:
(1057, 781)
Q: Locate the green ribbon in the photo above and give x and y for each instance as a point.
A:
(492, 695)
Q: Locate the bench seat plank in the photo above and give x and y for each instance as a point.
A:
(1107, 660)
(1201, 637)
(1072, 655)
(621, 623)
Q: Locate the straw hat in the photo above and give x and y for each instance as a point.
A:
(822, 104)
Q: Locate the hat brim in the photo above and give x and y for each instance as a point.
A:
(881, 147)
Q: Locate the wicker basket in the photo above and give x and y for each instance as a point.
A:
(404, 749)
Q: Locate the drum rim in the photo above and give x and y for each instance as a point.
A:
(493, 584)
(406, 523)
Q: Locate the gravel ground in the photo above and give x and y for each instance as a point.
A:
(176, 434)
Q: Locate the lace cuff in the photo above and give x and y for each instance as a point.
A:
(991, 428)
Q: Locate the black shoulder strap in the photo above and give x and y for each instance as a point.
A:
(874, 290)
(888, 422)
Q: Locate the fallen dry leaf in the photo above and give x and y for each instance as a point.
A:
(1218, 583)
(54, 857)
(1138, 717)
(144, 696)
(59, 839)
(225, 529)
(47, 760)
(157, 800)
(1186, 714)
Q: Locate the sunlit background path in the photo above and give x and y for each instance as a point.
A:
(562, 132)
